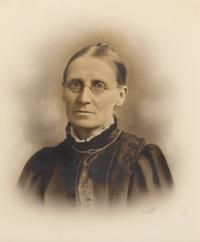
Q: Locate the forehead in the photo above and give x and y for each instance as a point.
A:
(92, 68)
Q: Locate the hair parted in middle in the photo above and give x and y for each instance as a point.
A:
(102, 51)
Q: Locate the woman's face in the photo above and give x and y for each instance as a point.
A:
(91, 92)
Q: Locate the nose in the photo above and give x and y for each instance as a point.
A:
(85, 95)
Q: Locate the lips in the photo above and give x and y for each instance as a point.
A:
(83, 111)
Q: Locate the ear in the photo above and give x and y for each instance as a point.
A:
(122, 95)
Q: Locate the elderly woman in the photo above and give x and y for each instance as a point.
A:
(97, 163)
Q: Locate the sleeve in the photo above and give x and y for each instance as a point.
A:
(34, 175)
(151, 173)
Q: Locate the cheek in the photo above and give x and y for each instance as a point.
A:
(107, 103)
(69, 99)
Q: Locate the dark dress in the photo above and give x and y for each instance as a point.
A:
(114, 167)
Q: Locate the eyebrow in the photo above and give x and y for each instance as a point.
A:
(74, 79)
(79, 79)
(98, 80)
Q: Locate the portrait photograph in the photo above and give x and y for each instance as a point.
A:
(100, 120)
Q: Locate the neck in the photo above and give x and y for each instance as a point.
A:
(86, 133)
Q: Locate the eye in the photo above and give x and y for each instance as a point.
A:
(97, 84)
(75, 85)
(75, 82)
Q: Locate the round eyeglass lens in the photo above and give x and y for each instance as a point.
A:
(75, 85)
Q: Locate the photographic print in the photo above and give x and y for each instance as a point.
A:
(100, 120)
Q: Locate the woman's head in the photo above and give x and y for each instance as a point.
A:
(94, 84)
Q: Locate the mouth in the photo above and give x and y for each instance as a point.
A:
(83, 111)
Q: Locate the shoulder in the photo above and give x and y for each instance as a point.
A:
(41, 162)
(150, 166)
(131, 142)
(153, 166)
(44, 156)
(128, 137)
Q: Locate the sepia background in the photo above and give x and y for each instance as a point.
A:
(159, 42)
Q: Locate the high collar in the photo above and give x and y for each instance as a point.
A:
(99, 142)
(77, 139)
